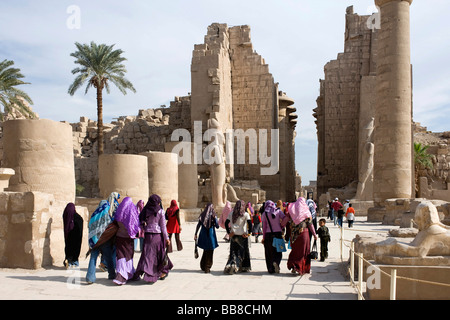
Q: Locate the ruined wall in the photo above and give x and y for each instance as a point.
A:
(149, 130)
(338, 106)
(255, 106)
(31, 230)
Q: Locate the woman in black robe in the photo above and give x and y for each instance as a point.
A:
(73, 235)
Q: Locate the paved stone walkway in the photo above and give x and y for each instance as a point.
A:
(187, 282)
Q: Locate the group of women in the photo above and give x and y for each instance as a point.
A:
(114, 226)
(281, 223)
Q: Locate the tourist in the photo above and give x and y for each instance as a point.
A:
(256, 222)
(127, 220)
(299, 260)
(324, 235)
(346, 205)
(272, 230)
(113, 202)
(154, 263)
(139, 242)
(98, 223)
(225, 212)
(330, 210)
(350, 214)
(337, 208)
(313, 209)
(174, 224)
(73, 235)
(239, 257)
(207, 240)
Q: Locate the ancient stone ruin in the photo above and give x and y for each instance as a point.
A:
(366, 134)
(221, 142)
(232, 92)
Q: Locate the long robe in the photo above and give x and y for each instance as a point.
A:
(299, 257)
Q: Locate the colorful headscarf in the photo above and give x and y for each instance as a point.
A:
(270, 207)
(299, 210)
(127, 213)
(173, 208)
(98, 222)
(68, 215)
(225, 212)
(238, 211)
(250, 209)
(207, 215)
(140, 205)
(113, 203)
(151, 208)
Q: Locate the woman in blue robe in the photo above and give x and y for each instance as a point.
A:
(207, 240)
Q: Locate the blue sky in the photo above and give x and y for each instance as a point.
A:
(296, 39)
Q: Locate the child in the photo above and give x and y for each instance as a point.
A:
(325, 237)
(350, 214)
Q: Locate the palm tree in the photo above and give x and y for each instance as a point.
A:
(12, 98)
(99, 65)
(422, 160)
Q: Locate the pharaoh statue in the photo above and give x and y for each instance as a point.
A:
(364, 189)
(215, 157)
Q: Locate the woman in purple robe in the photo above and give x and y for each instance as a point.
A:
(127, 219)
(154, 265)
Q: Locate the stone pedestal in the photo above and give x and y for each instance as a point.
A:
(413, 289)
(5, 175)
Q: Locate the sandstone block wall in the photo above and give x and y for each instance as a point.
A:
(338, 105)
(31, 230)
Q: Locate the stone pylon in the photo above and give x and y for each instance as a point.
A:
(393, 115)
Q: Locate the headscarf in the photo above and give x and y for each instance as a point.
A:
(127, 213)
(68, 215)
(261, 210)
(113, 203)
(207, 216)
(270, 208)
(225, 212)
(151, 208)
(279, 204)
(238, 211)
(140, 205)
(172, 209)
(312, 207)
(98, 222)
(299, 210)
(250, 209)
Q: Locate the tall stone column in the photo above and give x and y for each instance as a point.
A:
(393, 112)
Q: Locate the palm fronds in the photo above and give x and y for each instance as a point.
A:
(12, 98)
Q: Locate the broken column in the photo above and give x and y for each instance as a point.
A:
(126, 174)
(393, 112)
(41, 154)
(163, 176)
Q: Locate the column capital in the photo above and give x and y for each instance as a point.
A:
(380, 3)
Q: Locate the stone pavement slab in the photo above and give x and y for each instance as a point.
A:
(187, 282)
